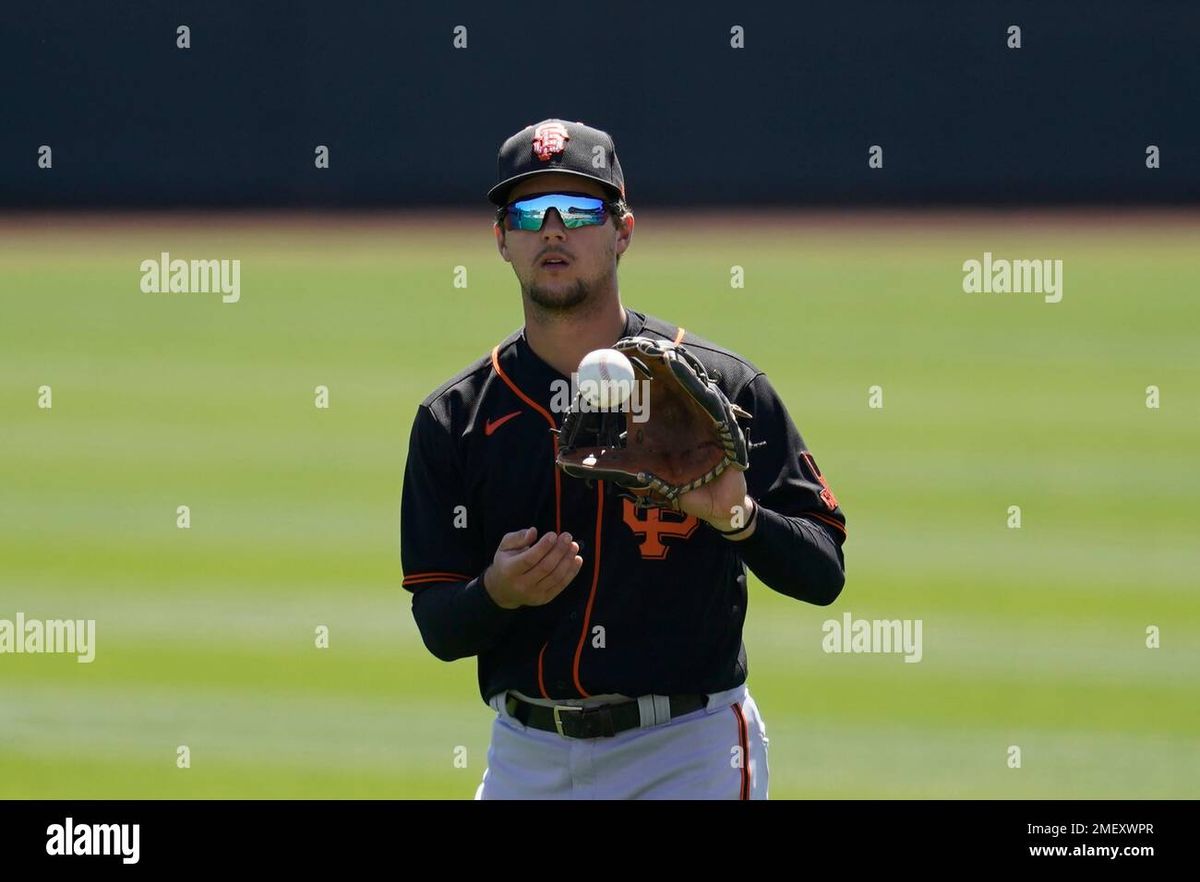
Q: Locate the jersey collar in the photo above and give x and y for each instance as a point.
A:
(532, 369)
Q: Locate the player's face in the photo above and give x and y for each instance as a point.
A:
(559, 268)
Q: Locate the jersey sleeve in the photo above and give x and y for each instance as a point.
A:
(439, 549)
(796, 547)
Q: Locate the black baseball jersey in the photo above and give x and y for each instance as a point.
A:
(659, 603)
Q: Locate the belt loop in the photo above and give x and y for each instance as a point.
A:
(655, 709)
(662, 708)
(646, 710)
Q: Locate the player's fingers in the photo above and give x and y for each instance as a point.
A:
(564, 564)
(546, 565)
(526, 560)
(518, 540)
(561, 576)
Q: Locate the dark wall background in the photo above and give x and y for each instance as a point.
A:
(133, 120)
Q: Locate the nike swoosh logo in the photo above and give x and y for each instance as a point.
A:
(492, 425)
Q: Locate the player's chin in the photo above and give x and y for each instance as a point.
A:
(557, 293)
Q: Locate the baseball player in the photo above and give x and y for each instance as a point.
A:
(608, 635)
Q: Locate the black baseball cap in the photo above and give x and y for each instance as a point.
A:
(555, 145)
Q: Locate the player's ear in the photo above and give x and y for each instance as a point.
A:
(625, 233)
(500, 246)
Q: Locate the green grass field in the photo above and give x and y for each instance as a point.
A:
(1033, 637)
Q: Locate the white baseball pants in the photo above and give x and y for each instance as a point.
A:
(717, 752)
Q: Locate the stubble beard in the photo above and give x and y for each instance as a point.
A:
(581, 294)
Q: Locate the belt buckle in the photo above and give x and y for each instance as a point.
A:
(558, 723)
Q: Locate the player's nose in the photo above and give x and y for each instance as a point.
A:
(552, 225)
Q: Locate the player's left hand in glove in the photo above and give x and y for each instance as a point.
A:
(689, 436)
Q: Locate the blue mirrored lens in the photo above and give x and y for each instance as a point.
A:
(576, 210)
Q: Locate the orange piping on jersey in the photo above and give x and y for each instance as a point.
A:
(744, 740)
(557, 475)
(829, 521)
(542, 682)
(587, 615)
(416, 578)
(679, 336)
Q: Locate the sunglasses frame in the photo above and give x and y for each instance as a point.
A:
(502, 213)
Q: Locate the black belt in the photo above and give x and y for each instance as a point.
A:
(593, 722)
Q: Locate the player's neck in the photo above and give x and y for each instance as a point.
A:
(562, 340)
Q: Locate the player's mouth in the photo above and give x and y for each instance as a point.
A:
(554, 261)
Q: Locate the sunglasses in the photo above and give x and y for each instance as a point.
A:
(575, 209)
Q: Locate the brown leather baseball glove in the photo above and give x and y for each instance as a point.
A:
(687, 435)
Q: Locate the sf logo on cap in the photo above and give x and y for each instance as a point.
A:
(549, 139)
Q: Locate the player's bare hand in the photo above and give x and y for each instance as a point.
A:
(528, 573)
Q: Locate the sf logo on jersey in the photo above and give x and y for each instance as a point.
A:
(654, 524)
(827, 496)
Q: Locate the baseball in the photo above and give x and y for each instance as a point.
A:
(605, 379)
